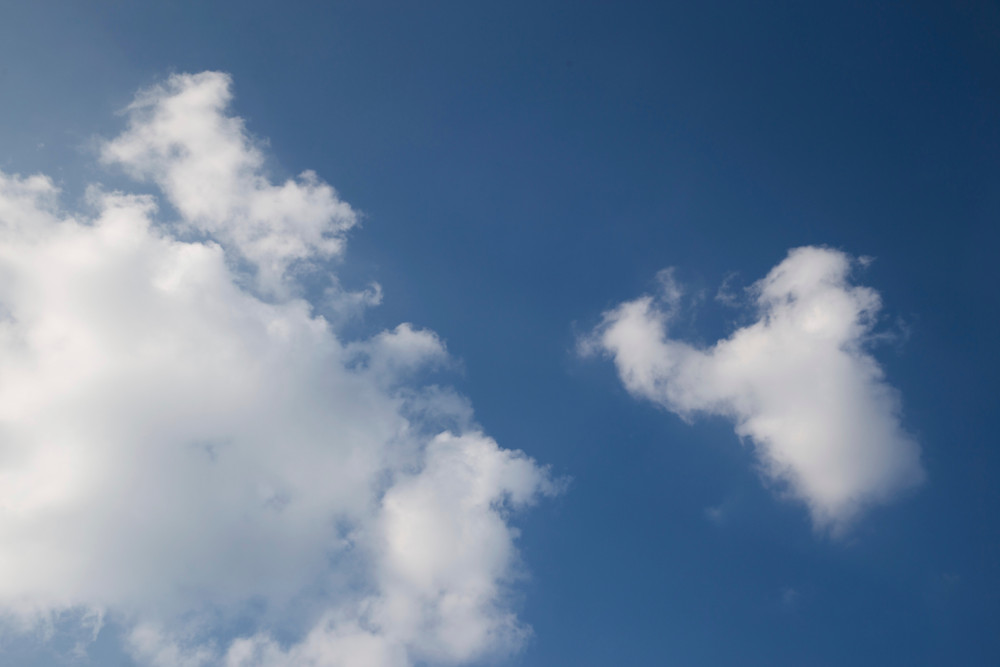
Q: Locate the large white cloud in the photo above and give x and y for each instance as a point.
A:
(798, 382)
(186, 447)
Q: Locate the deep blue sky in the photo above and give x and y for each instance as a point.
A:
(523, 166)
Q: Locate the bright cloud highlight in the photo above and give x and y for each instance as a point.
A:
(188, 449)
(798, 383)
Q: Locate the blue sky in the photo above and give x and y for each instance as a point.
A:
(515, 171)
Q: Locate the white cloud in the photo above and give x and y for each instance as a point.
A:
(180, 137)
(798, 382)
(443, 553)
(177, 453)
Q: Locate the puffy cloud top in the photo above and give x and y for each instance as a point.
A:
(180, 137)
(798, 382)
(179, 452)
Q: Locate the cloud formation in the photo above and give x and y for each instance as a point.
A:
(180, 138)
(189, 450)
(798, 382)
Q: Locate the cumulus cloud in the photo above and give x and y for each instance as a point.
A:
(442, 552)
(189, 450)
(799, 382)
(180, 138)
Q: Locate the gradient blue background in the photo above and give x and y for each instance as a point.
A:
(525, 165)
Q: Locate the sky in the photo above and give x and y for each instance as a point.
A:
(394, 334)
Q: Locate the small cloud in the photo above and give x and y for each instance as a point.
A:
(789, 598)
(727, 294)
(798, 383)
(715, 514)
